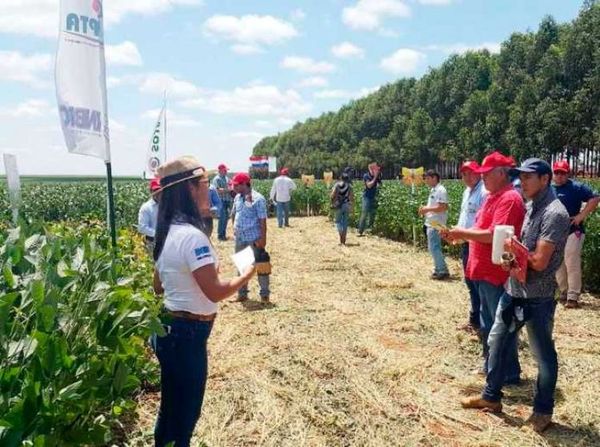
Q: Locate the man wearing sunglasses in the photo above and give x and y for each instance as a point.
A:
(573, 195)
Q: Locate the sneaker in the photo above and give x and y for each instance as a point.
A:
(538, 422)
(480, 403)
(562, 298)
(440, 276)
(572, 304)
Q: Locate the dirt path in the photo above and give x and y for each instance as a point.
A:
(360, 348)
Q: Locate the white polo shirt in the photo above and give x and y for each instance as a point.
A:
(282, 188)
(437, 195)
(186, 249)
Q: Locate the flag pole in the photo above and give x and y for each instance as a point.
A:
(111, 206)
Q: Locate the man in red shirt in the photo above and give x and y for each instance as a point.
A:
(503, 206)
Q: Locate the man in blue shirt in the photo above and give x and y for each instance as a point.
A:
(573, 195)
(221, 184)
(250, 227)
(372, 181)
(472, 199)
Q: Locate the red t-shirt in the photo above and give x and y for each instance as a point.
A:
(505, 207)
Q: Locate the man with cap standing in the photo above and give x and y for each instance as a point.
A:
(281, 194)
(573, 195)
(502, 206)
(148, 215)
(530, 303)
(250, 229)
(472, 199)
(372, 181)
(221, 184)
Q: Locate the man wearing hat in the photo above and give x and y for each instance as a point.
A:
(250, 229)
(148, 215)
(221, 184)
(281, 194)
(502, 206)
(472, 199)
(530, 303)
(573, 195)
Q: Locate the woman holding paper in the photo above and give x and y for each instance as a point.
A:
(186, 272)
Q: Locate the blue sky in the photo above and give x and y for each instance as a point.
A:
(235, 70)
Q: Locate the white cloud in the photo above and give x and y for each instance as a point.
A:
(369, 14)
(435, 2)
(174, 118)
(347, 50)
(28, 109)
(461, 48)
(27, 69)
(250, 33)
(313, 81)
(125, 53)
(344, 94)
(40, 17)
(247, 134)
(251, 100)
(403, 61)
(298, 15)
(157, 83)
(307, 65)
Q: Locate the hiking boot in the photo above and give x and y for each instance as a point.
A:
(538, 422)
(480, 403)
(572, 304)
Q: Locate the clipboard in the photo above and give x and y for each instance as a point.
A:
(520, 259)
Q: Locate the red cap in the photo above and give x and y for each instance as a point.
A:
(561, 166)
(155, 184)
(222, 166)
(469, 165)
(284, 171)
(241, 178)
(495, 160)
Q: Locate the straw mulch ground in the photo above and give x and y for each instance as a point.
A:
(361, 348)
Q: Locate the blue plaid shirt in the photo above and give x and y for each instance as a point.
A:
(248, 215)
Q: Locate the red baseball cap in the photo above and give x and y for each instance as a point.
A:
(561, 166)
(493, 161)
(154, 184)
(469, 165)
(241, 178)
(222, 166)
(284, 171)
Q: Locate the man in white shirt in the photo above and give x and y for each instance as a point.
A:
(436, 214)
(148, 215)
(281, 194)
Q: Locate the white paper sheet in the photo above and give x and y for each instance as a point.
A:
(243, 259)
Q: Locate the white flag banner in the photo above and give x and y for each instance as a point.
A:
(272, 164)
(80, 76)
(156, 153)
(14, 183)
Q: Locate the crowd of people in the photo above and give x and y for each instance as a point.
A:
(546, 208)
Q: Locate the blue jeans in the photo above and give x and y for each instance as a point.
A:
(283, 213)
(263, 280)
(183, 370)
(473, 292)
(538, 315)
(434, 243)
(367, 213)
(223, 219)
(341, 217)
(489, 295)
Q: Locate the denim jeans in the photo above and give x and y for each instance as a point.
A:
(537, 314)
(489, 295)
(369, 208)
(223, 219)
(183, 370)
(283, 213)
(341, 217)
(434, 243)
(263, 280)
(473, 292)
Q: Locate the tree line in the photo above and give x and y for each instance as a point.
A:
(540, 96)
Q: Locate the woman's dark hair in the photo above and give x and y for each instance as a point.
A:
(175, 201)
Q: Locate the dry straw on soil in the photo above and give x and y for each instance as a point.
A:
(361, 348)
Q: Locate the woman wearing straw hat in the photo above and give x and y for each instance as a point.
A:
(187, 273)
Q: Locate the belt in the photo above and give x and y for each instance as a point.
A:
(190, 316)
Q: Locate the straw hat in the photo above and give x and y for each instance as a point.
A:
(180, 170)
